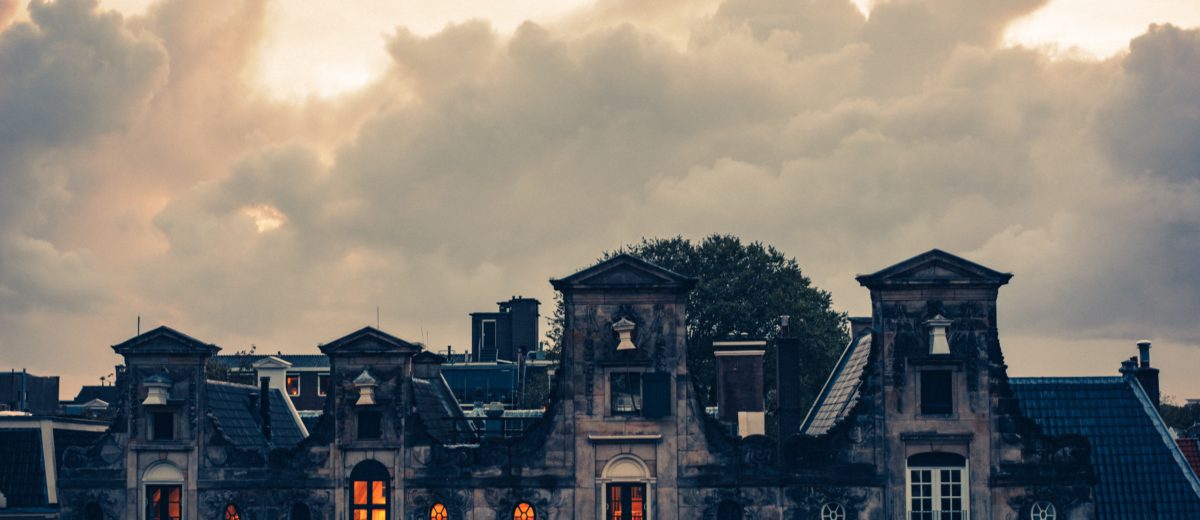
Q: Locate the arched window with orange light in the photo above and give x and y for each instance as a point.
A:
(370, 486)
(232, 513)
(524, 511)
(438, 512)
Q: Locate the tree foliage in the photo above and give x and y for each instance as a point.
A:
(743, 288)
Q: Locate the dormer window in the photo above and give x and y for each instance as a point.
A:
(938, 344)
(937, 392)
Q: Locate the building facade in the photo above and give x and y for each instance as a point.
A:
(919, 420)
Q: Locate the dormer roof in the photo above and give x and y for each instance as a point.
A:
(270, 362)
(934, 267)
(624, 271)
(369, 340)
(164, 340)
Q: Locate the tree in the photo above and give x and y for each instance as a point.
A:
(743, 288)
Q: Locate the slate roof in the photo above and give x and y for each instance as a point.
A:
(1140, 472)
(841, 390)
(23, 473)
(439, 411)
(297, 360)
(235, 409)
(106, 393)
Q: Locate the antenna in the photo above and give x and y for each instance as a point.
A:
(377, 316)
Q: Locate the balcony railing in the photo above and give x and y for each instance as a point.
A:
(940, 514)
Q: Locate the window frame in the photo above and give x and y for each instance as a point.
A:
(362, 423)
(531, 510)
(935, 486)
(323, 389)
(370, 473)
(436, 514)
(160, 419)
(287, 383)
(156, 510)
(637, 400)
(232, 512)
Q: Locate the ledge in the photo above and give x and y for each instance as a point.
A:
(932, 436)
(602, 439)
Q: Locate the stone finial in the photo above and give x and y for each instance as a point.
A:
(158, 390)
(938, 344)
(366, 388)
(624, 328)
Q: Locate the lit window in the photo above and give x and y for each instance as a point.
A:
(369, 487)
(936, 490)
(524, 511)
(626, 502)
(323, 385)
(231, 513)
(937, 395)
(833, 511)
(438, 512)
(1042, 510)
(626, 388)
(162, 503)
(293, 384)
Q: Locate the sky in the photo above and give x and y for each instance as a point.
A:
(269, 173)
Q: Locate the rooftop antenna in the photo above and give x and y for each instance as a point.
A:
(377, 316)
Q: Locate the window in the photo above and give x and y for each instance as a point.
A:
(626, 393)
(833, 511)
(524, 511)
(936, 487)
(626, 501)
(729, 510)
(293, 384)
(370, 487)
(369, 426)
(438, 512)
(323, 385)
(163, 427)
(937, 392)
(93, 512)
(231, 512)
(1042, 510)
(162, 503)
(300, 512)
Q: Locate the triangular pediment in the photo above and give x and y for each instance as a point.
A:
(935, 267)
(270, 362)
(624, 271)
(368, 340)
(164, 340)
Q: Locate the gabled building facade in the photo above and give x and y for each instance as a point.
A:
(919, 420)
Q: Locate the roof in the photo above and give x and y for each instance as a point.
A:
(106, 393)
(22, 469)
(164, 340)
(297, 360)
(934, 267)
(369, 340)
(234, 407)
(841, 390)
(624, 271)
(1140, 472)
(1191, 451)
(439, 410)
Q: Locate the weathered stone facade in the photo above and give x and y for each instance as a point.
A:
(623, 432)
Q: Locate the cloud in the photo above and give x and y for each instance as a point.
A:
(478, 165)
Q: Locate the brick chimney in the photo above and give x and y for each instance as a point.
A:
(264, 405)
(1147, 376)
(740, 382)
(787, 380)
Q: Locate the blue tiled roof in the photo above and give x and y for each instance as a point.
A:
(841, 390)
(22, 471)
(1140, 472)
(235, 409)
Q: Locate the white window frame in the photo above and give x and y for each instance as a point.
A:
(625, 469)
(936, 481)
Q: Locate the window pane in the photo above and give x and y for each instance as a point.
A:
(293, 384)
(626, 396)
(379, 514)
(360, 514)
(360, 492)
(378, 494)
(438, 512)
(323, 384)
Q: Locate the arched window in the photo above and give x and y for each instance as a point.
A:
(833, 511)
(729, 510)
(92, 511)
(1042, 510)
(231, 512)
(438, 512)
(370, 485)
(164, 492)
(524, 511)
(937, 486)
(300, 512)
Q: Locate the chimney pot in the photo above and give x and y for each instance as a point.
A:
(1144, 352)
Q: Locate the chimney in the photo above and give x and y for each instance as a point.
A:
(787, 380)
(1147, 376)
(264, 405)
(740, 382)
